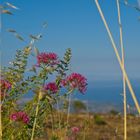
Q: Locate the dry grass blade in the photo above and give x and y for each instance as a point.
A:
(34, 37)
(36, 114)
(138, 3)
(118, 57)
(14, 32)
(45, 25)
(36, 50)
(7, 12)
(11, 30)
(11, 5)
(19, 37)
(124, 83)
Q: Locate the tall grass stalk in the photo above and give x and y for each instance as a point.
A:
(58, 111)
(58, 114)
(36, 114)
(0, 75)
(123, 62)
(69, 105)
(118, 57)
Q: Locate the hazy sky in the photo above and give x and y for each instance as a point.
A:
(76, 24)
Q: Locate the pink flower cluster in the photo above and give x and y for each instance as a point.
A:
(75, 129)
(47, 58)
(20, 116)
(75, 80)
(52, 87)
(5, 85)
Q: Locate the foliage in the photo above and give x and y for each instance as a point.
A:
(25, 120)
(114, 112)
(98, 120)
(79, 106)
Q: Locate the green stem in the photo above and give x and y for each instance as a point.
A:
(52, 118)
(36, 114)
(58, 114)
(69, 104)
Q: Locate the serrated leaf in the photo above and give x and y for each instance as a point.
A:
(63, 62)
(7, 12)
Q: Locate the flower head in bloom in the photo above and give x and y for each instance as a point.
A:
(20, 116)
(75, 80)
(4, 85)
(47, 58)
(52, 87)
(75, 129)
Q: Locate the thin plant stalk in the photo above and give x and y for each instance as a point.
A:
(88, 116)
(123, 62)
(68, 113)
(0, 76)
(36, 114)
(52, 118)
(69, 103)
(118, 57)
(59, 115)
(58, 111)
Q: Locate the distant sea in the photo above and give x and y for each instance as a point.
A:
(103, 96)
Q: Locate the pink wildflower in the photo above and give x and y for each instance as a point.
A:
(14, 117)
(74, 81)
(5, 85)
(20, 116)
(47, 58)
(52, 87)
(75, 129)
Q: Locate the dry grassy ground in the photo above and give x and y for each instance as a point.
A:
(98, 127)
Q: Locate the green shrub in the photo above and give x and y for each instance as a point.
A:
(99, 120)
